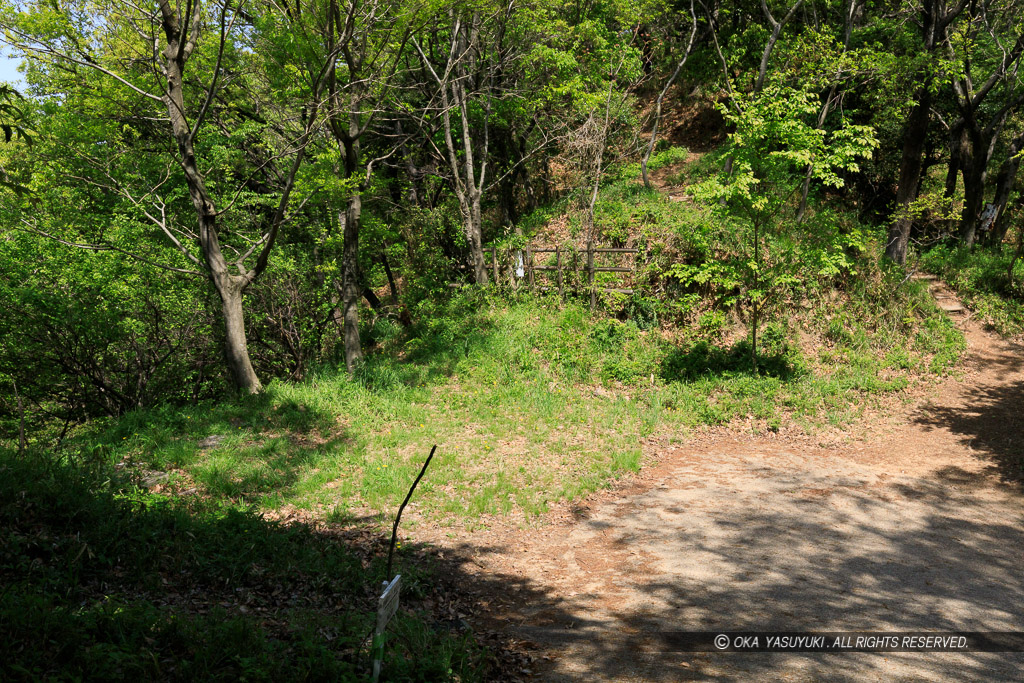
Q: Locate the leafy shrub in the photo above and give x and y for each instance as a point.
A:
(668, 157)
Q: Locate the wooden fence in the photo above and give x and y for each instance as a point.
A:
(568, 275)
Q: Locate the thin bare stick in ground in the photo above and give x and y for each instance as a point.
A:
(398, 517)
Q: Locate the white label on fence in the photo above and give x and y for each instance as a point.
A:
(388, 603)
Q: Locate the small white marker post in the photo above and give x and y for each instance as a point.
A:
(387, 605)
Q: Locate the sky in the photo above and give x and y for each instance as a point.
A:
(8, 70)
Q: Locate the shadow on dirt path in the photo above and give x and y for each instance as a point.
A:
(913, 520)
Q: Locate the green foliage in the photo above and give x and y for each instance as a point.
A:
(529, 402)
(695, 260)
(981, 277)
(774, 146)
(117, 359)
(702, 359)
(88, 335)
(631, 356)
(14, 127)
(668, 157)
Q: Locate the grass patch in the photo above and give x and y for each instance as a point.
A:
(530, 403)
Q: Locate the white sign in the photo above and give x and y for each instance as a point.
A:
(387, 605)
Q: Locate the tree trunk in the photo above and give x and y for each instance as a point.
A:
(180, 43)
(391, 278)
(350, 288)
(236, 349)
(957, 145)
(910, 173)
(230, 287)
(372, 299)
(850, 15)
(1004, 185)
(468, 182)
(974, 160)
(347, 131)
(935, 20)
(974, 198)
(809, 173)
(474, 235)
(757, 282)
(777, 26)
(661, 97)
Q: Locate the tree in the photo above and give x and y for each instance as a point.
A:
(976, 131)
(935, 17)
(371, 37)
(179, 60)
(776, 139)
(468, 81)
(1004, 187)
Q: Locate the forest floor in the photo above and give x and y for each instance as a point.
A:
(911, 519)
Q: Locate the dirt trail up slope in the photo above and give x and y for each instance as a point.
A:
(913, 521)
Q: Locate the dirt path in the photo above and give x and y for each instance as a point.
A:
(912, 521)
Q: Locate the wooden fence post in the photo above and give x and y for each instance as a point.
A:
(494, 265)
(558, 266)
(590, 275)
(575, 271)
(529, 268)
(512, 277)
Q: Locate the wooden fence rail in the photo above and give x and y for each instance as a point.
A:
(565, 273)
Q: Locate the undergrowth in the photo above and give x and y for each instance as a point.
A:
(530, 401)
(981, 278)
(533, 400)
(103, 581)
